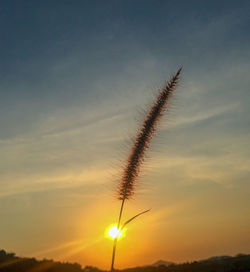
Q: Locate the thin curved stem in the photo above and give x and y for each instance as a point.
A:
(131, 219)
(115, 240)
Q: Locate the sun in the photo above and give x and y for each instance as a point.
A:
(112, 232)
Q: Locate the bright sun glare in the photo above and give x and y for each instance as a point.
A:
(113, 232)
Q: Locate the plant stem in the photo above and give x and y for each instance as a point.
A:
(115, 240)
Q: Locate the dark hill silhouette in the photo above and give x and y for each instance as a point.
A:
(9, 262)
(162, 262)
(239, 263)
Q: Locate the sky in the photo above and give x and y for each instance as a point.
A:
(76, 78)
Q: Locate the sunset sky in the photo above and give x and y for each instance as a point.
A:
(75, 80)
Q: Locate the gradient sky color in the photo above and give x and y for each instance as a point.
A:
(75, 78)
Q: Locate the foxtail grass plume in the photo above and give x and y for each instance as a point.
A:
(140, 145)
(142, 140)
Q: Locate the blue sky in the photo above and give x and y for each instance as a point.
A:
(75, 78)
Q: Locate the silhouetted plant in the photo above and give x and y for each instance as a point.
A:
(139, 147)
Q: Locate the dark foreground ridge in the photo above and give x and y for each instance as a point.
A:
(9, 262)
